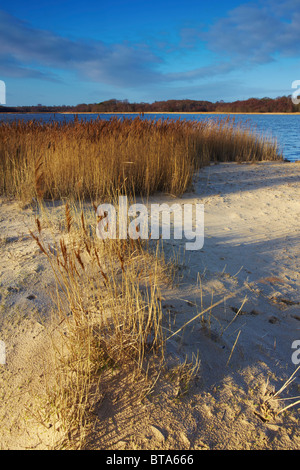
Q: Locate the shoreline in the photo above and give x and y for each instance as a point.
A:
(176, 113)
(152, 112)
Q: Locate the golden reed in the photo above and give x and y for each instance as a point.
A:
(93, 159)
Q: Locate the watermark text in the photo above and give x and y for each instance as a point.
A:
(2, 92)
(296, 353)
(2, 353)
(296, 93)
(163, 221)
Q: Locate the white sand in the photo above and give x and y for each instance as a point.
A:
(251, 250)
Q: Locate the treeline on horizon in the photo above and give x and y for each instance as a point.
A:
(281, 104)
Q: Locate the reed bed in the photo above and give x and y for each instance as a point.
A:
(93, 159)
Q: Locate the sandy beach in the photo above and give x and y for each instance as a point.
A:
(248, 266)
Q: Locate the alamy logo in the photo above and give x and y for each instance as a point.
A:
(2, 92)
(296, 354)
(296, 94)
(2, 353)
(152, 222)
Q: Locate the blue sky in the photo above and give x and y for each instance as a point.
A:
(69, 52)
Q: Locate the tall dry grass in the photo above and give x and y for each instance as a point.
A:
(93, 159)
(107, 317)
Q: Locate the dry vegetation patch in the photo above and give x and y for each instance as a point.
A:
(95, 159)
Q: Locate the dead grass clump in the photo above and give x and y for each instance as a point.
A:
(108, 318)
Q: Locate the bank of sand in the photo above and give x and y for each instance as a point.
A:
(244, 344)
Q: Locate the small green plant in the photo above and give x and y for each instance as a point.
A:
(183, 375)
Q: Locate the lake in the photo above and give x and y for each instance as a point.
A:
(284, 128)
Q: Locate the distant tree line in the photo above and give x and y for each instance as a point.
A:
(281, 104)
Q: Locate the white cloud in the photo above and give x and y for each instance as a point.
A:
(25, 51)
(257, 32)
